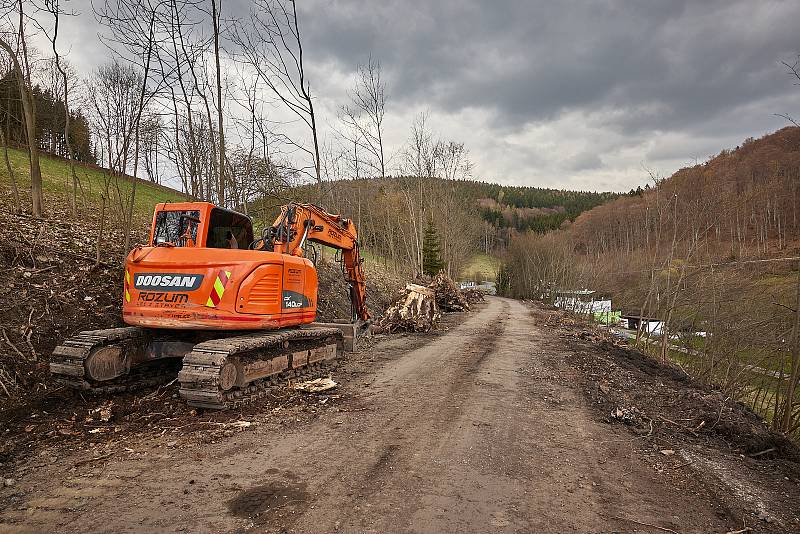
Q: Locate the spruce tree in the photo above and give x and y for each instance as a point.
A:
(431, 259)
(503, 282)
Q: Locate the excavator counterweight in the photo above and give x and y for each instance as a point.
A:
(236, 311)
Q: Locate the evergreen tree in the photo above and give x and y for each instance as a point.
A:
(503, 280)
(431, 258)
(50, 115)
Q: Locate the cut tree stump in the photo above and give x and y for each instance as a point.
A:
(415, 311)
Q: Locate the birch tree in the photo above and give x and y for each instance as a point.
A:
(364, 116)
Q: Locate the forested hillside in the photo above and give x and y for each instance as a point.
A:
(50, 126)
(466, 216)
(715, 249)
(741, 203)
(533, 208)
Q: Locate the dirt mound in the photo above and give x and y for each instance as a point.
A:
(665, 394)
(662, 400)
(334, 295)
(51, 287)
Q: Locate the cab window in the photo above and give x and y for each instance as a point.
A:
(228, 229)
(176, 227)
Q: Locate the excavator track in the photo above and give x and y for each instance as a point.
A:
(69, 360)
(231, 372)
(220, 373)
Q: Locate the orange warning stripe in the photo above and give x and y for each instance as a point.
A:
(127, 286)
(218, 289)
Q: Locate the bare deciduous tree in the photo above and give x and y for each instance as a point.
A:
(52, 6)
(365, 113)
(271, 44)
(215, 15)
(19, 60)
(132, 24)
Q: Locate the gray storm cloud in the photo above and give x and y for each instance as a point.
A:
(589, 91)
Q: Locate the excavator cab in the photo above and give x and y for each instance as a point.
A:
(222, 228)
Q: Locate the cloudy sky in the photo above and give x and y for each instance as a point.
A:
(578, 95)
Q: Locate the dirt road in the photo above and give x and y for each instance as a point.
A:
(482, 429)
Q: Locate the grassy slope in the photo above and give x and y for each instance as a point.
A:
(56, 182)
(483, 264)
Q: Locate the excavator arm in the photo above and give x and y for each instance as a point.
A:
(298, 223)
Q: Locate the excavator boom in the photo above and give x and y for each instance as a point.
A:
(299, 223)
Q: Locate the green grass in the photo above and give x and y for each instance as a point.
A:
(607, 318)
(483, 264)
(56, 182)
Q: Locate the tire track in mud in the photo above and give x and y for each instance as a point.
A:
(395, 477)
(379, 460)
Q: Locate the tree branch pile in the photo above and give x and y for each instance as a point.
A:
(448, 296)
(473, 295)
(419, 307)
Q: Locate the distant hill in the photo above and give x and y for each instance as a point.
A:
(742, 202)
(505, 207)
(533, 208)
(472, 219)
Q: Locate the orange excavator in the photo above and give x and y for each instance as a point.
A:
(235, 312)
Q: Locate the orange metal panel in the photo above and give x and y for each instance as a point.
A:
(261, 291)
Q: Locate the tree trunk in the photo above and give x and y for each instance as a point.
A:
(134, 179)
(29, 112)
(100, 226)
(11, 176)
(221, 183)
(74, 197)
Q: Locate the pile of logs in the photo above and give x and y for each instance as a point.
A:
(473, 295)
(448, 296)
(415, 311)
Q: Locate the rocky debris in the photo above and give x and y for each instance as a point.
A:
(415, 311)
(628, 416)
(9, 482)
(449, 297)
